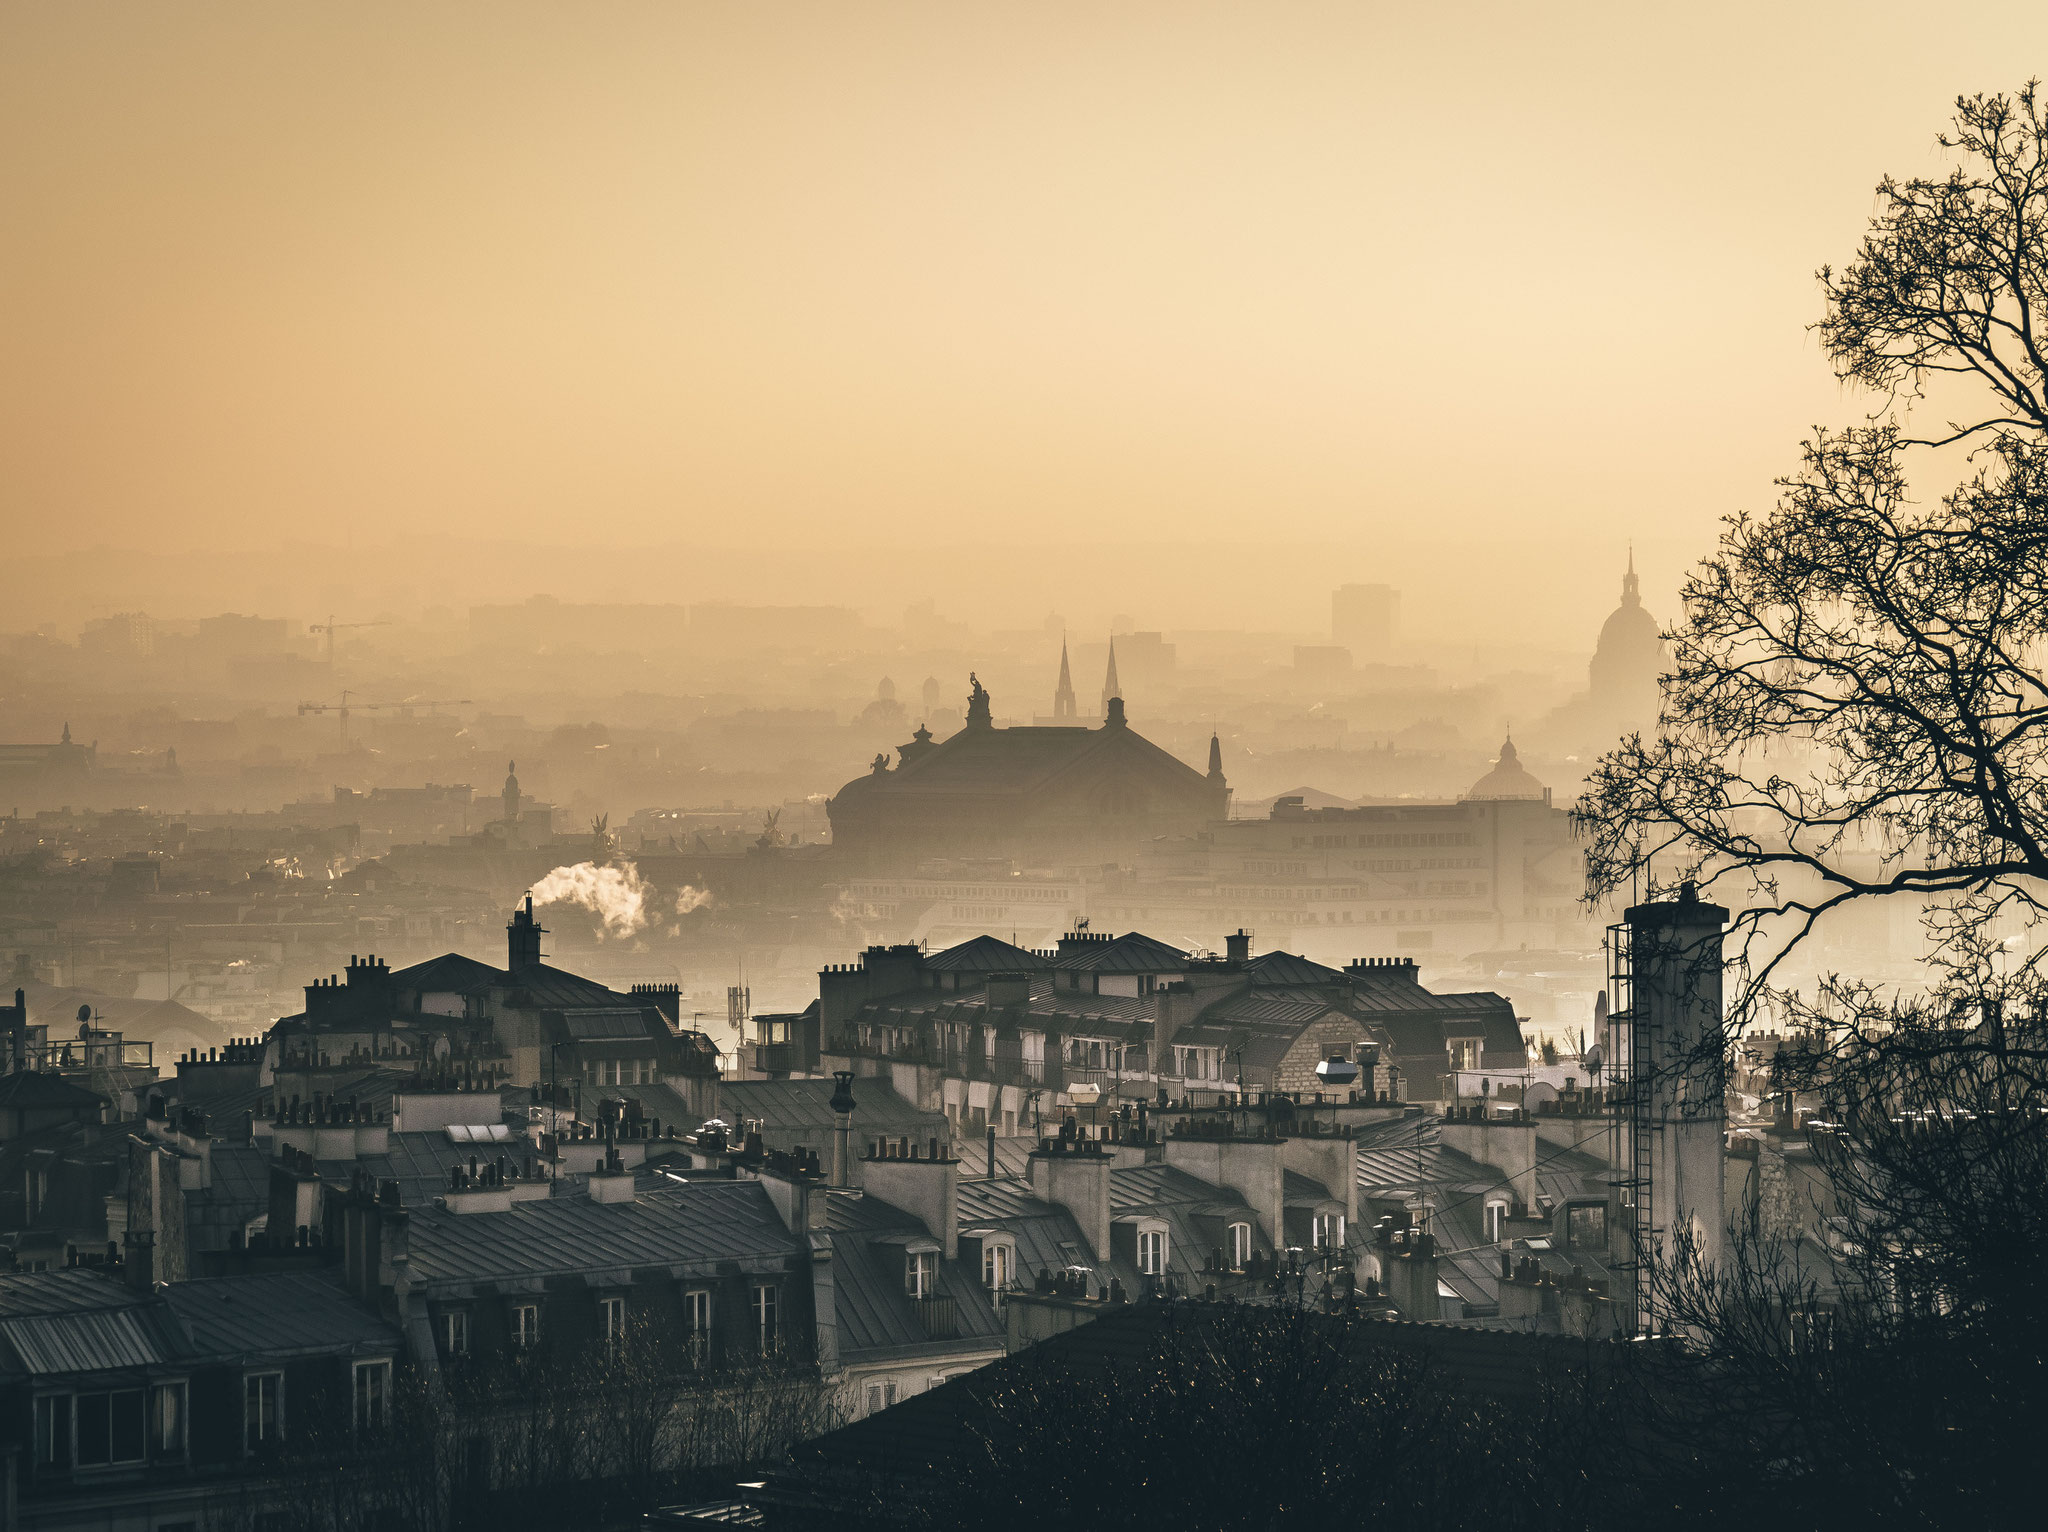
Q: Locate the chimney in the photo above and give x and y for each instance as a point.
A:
(1075, 1175)
(1253, 1168)
(611, 1183)
(927, 1186)
(1237, 946)
(522, 939)
(842, 1128)
(1666, 1050)
(1408, 1272)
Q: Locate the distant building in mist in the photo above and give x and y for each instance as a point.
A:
(48, 765)
(1037, 795)
(1498, 869)
(1365, 619)
(1623, 691)
(1629, 657)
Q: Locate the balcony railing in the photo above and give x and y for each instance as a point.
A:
(81, 1055)
(939, 1316)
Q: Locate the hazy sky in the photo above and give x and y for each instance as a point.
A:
(1431, 280)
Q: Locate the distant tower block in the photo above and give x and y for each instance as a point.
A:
(931, 695)
(1063, 706)
(510, 796)
(1365, 619)
(1111, 687)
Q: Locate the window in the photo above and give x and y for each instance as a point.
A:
(455, 1332)
(881, 1395)
(167, 1419)
(525, 1325)
(1586, 1227)
(53, 1430)
(110, 1428)
(1326, 1229)
(262, 1409)
(611, 1313)
(995, 1266)
(1465, 1053)
(766, 1331)
(1496, 1220)
(1152, 1252)
(697, 1321)
(1240, 1246)
(920, 1273)
(373, 1396)
(697, 1311)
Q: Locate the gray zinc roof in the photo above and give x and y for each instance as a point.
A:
(691, 1226)
(1133, 952)
(275, 1315)
(984, 954)
(790, 1105)
(101, 1340)
(876, 1315)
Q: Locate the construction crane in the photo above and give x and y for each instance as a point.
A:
(330, 627)
(345, 707)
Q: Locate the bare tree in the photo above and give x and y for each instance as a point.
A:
(1857, 704)
(1858, 710)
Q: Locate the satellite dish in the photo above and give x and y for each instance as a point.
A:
(85, 1013)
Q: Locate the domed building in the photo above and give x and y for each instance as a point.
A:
(1628, 659)
(1508, 782)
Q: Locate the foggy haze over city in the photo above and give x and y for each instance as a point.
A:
(890, 765)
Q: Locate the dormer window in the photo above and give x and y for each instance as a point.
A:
(1152, 1252)
(920, 1272)
(1586, 1227)
(1240, 1246)
(996, 1262)
(1496, 1221)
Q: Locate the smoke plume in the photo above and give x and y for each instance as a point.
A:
(616, 895)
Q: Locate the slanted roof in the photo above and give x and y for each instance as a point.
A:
(1300, 1191)
(691, 1229)
(88, 1340)
(72, 1290)
(1270, 968)
(609, 1023)
(31, 1089)
(984, 954)
(555, 989)
(450, 973)
(796, 1105)
(420, 1162)
(275, 1315)
(1132, 952)
(876, 1315)
(1079, 1010)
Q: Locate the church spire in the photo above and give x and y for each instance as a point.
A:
(1110, 687)
(1215, 759)
(1063, 699)
(1630, 595)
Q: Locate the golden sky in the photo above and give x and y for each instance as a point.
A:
(1435, 279)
